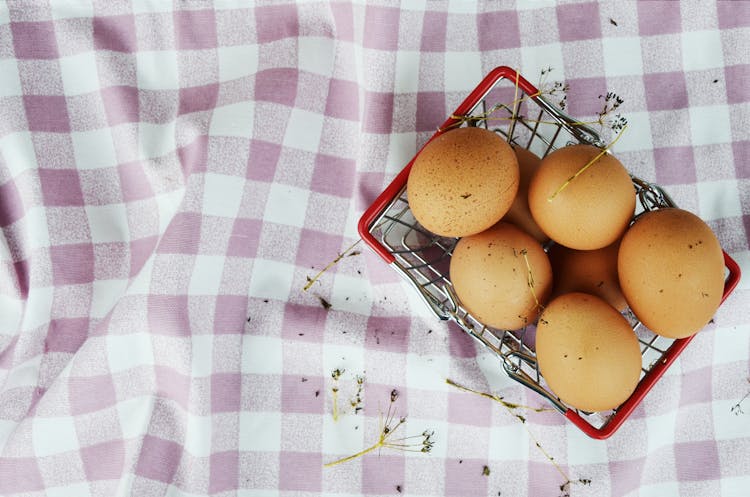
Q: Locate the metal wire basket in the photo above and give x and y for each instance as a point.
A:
(423, 258)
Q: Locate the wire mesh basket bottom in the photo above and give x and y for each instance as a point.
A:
(423, 258)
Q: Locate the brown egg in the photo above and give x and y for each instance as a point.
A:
(463, 182)
(587, 352)
(588, 271)
(671, 270)
(594, 209)
(519, 213)
(501, 276)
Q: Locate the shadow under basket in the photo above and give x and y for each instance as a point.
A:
(525, 118)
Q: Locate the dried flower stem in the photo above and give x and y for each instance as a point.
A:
(737, 408)
(586, 166)
(311, 281)
(336, 374)
(530, 280)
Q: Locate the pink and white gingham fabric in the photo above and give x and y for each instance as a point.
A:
(172, 172)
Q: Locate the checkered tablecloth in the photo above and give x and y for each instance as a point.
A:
(171, 173)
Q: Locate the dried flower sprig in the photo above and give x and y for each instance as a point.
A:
(737, 408)
(356, 401)
(336, 374)
(348, 252)
(388, 428)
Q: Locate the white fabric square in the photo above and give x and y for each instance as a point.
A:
(728, 425)
(660, 429)
(38, 307)
(77, 489)
(222, 194)
(417, 5)
(233, 120)
(141, 284)
(17, 150)
(11, 311)
(463, 71)
(582, 449)
(108, 223)
(201, 356)
(10, 81)
(316, 55)
(148, 6)
(198, 435)
(359, 292)
(701, 50)
(157, 70)
(349, 359)
(4, 14)
(24, 375)
(536, 59)
(743, 259)
(94, 149)
(259, 493)
(534, 4)
(401, 150)
(167, 205)
(79, 73)
(135, 416)
(709, 125)
(427, 372)
(622, 56)
(105, 294)
(261, 355)
(340, 438)
(53, 435)
(238, 61)
(173, 491)
(206, 276)
(637, 136)
(129, 351)
(65, 9)
(407, 72)
(671, 488)
(511, 435)
(718, 199)
(155, 140)
(6, 427)
(731, 344)
(464, 7)
(260, 431)
(286, 205)
(735, 486)
(303, 130)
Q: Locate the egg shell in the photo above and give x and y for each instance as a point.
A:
(463, 182)
(519, 213)
(588, 271)
(671, 270)
(587, 352)
(594, 209)
(493, 281)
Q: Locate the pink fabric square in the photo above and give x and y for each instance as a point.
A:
(116, 33)
(334, 175)
(168, 315)
(314, 244)
(121, 104)
(195, 29)
(583, 96)
(303, 322)
(388, 333)
(261, 164)
(696, 461)
(11, 204)
(158, 459)
(741, 152)
(381, 473)
(343, 16)
(47, 113)
(434, 28)
(626, 475)
(343, 100)
(666, 91)
(22, 277)
(104, 461)
(469, 409)
(300, 471)
(224, 472)
(696, 386)
(19, 474)
(580, 21)
(72, 264)
(134, 182)
(276, 22)
(542, 476)
(172, 385)
(66, 334)
(6, 353)
(498, 30)
(378, 112)
(277, 85)
(737, 78)
(230, 316)
(460, 344)
(675, 165)
(381, 27)
(194, 157)
(430, 110)
(658, 18)
(378, 397)
(182, 236)
(733, 14)
(299, 396)
(225, 392)
(34, 40)
(60, 187)
(245, 237)
(465, 478)
(198, 98)
(91, 393)
(140, 250)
